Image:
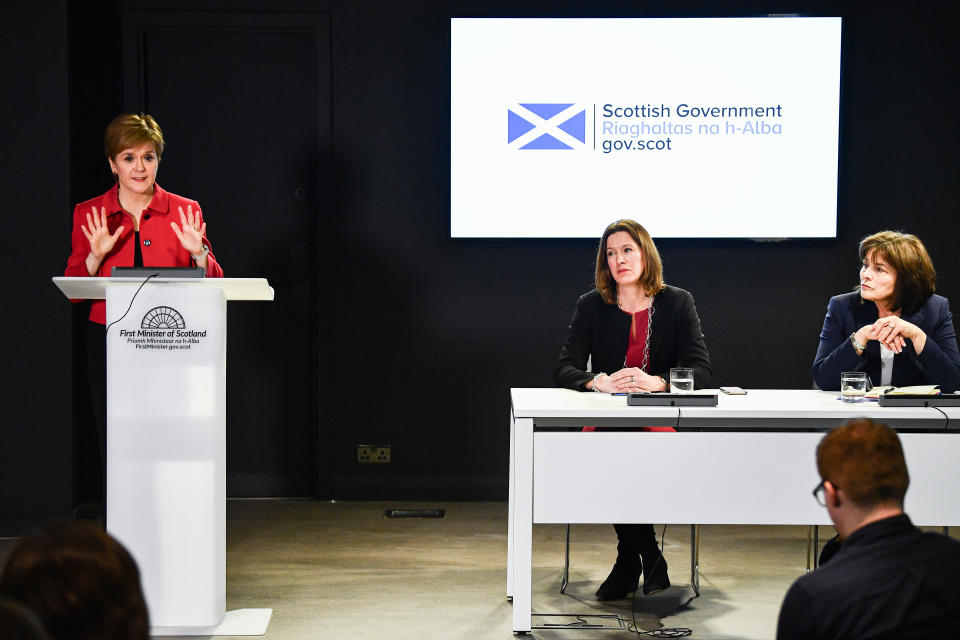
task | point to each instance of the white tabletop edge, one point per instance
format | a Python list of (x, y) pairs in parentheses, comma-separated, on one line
[(248, 289), (757, 404)]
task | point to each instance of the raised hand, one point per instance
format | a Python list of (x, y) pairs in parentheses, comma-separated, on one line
[(98, 234), (190, 233)]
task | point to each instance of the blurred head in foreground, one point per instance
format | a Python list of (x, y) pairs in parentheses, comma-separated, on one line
[(80, 582)]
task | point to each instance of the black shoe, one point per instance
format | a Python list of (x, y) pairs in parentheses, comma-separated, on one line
[(621, 582), (655, 579)]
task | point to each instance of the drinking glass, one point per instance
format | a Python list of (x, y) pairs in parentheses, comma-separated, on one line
[(853, 386), (681, 380)]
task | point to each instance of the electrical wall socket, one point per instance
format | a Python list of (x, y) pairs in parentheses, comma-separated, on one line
[(373, 453)]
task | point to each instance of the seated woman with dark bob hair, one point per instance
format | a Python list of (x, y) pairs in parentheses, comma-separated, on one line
[(892, 325)]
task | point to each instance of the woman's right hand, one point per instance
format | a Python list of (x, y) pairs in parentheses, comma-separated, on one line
[(101, 240), (881, 331)]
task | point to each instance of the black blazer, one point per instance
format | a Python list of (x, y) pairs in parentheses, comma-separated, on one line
[(938, 363), (601, 331)]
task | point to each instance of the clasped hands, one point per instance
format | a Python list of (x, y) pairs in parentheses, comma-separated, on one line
[(893, 331), (629, 380)]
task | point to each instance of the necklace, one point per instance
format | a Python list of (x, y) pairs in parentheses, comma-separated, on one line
[(646, 342)]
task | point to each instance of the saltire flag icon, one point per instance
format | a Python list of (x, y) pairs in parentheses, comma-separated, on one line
[(546, 125)]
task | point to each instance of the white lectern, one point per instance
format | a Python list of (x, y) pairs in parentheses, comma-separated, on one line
[(166, 442)]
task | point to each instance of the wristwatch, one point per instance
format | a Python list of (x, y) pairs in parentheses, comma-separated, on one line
[(204, 250), (856, 345)]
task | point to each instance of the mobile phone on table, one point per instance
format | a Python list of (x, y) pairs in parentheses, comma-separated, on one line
[(734, 391)]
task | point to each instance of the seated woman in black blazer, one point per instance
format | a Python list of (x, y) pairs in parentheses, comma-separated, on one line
[(633, 328), (892, 326)]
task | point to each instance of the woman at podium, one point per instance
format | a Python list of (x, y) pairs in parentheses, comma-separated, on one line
[(135, 223), (633, 328), (892, 325)]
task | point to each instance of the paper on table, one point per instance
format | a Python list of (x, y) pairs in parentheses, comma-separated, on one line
[(916, 390)]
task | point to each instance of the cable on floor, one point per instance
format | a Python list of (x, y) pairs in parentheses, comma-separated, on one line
[(667, 632), (624, 624)]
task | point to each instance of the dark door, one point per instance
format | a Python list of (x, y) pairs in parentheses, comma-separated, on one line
[(244, 102)]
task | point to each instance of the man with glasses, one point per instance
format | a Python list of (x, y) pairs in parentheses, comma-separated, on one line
[(888, 579)]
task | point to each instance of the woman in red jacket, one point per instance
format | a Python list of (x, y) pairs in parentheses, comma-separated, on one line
[(135, 223)]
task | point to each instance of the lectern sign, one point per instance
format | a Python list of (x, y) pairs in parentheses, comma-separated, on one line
[(166, 442), (166, 428), (163, 328)]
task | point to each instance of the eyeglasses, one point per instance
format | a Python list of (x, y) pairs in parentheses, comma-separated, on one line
[(818, 493)]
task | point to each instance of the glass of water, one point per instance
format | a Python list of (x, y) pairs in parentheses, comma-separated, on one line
[(681, 380), (853, 386)]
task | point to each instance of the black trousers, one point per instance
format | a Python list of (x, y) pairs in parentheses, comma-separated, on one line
[(637, 540)]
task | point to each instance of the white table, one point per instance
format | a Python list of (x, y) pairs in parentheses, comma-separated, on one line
[(749, 460)]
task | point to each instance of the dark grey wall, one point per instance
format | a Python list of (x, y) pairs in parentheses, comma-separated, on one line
[(35, 445), (428, 334), (451, 325)]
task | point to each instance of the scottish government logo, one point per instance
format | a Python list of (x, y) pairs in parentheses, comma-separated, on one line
[(539, 125), (163, 318)]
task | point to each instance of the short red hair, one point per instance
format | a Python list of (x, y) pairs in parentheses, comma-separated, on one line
[(130, 130), (865, 460)]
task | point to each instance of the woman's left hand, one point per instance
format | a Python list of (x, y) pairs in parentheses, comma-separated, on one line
[(634, 380), (894, 331), (191, 232)]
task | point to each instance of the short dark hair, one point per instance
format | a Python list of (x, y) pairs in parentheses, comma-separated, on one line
[(865, 460), (17, 622), (652, 277), (129, 130), (80, 582), (916, 278)]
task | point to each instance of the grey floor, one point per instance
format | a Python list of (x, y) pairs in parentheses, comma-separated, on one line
[(344, 571)]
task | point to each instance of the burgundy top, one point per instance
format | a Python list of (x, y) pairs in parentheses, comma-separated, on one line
[(638, 340), (636, 344)]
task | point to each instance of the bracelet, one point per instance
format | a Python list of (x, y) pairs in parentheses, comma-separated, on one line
[(204, 250), (856, 345), (595, 382)]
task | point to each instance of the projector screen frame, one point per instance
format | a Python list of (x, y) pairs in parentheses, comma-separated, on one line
[(842, 170)]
